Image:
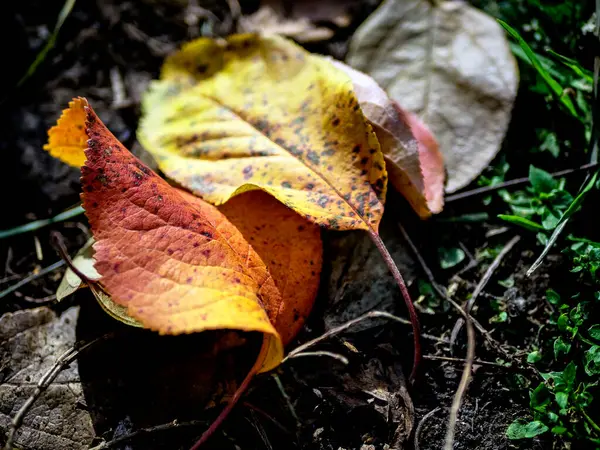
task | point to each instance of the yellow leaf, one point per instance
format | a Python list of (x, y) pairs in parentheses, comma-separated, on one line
[(258, 112), (67, 139)]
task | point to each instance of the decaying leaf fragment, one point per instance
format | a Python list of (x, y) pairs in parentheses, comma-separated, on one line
[(84, 261), (266, 20), (451, 65), (260, 112), (413, 160), (178, 267)]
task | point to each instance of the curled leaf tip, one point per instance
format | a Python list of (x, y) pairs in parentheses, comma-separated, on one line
[(67, 140)]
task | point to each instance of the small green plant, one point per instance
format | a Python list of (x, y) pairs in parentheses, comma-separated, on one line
[(540, 206), (562, 402)]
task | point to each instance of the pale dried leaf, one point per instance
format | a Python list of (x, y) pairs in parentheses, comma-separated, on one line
[(267, 21), (84, 261), (31, 342), (451, 65)]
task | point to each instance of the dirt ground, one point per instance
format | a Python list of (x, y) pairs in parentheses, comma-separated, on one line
[(129, 388)]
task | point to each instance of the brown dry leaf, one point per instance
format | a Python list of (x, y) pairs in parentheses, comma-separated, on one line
[(31, 342), (451, 65), (413, 160), (267, 21)]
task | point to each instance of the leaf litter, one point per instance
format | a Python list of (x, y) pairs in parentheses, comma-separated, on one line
[(242, 195)]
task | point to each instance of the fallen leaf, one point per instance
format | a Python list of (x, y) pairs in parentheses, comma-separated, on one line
[(431, 159), (291, 248), (451, 65), (413, 160), (31, 342), (333, 11), (178, 267), (267, 21), (258, 112), (84, 261)]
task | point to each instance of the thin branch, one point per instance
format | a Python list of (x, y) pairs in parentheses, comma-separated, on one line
[(420, 426), (436, 287), (414, 320), (335, 356), (441, 292), (483, 282), (61, 363), (162, 427), (30, 278), (516, 182), (462, 361), (343, 327), (288, 400), (462, 387)]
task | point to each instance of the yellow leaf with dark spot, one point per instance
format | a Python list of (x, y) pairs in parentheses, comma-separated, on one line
[(258, 112)]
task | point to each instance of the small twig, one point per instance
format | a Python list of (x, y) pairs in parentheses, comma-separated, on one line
[(8, 278), (462, 361), (149, 430), (436, 287), (267, 416), (343, 327), (482, 283), (260, 430), (420, 426), (288, 400), (515, 182), (120, 99), (61, 363), (38, 301), (462, 387), (336, 356), (32, 277)]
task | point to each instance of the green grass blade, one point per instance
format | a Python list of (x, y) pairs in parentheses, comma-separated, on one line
[(31, 277), (523, 222), (37, 224), (574, 66), (573, 207), (41, 56), (554, 86)]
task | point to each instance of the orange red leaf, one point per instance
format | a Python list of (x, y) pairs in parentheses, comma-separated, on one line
[(178, 266)]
